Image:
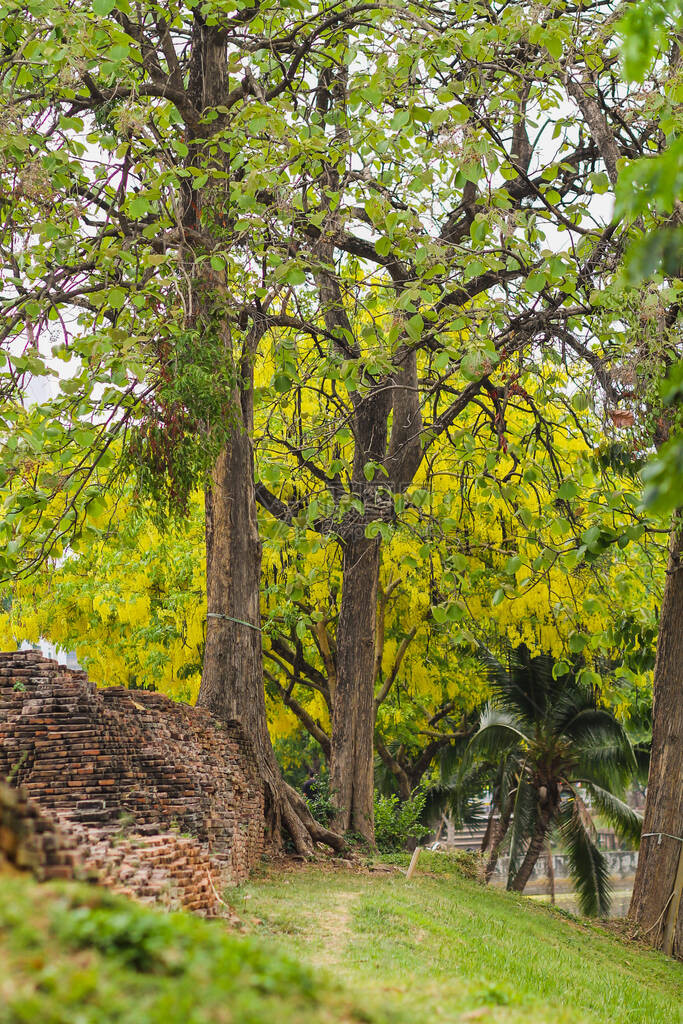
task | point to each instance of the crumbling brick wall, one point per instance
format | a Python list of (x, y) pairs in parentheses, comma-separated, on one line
[(32, 841), (113, 758), (164, 869)]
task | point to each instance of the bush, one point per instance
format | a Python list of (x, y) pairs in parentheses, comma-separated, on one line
[(319, 802), (397, 824)]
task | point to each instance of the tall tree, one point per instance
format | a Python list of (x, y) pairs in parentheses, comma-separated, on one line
[(429, 236), (652, 190), (654, 905), (127, 135), (376, 179)]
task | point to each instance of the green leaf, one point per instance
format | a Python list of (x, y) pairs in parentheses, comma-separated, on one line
[(472, 366), (600, 182), (553, 45), (513, 564), (138, 206), (383, 246), (103, 7), (459, 113), (96, 506), (498, 597), (535, 283), (415, 327), (568, 490), (560, 526)]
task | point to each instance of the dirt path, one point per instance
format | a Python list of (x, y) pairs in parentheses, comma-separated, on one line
[(334, 923)]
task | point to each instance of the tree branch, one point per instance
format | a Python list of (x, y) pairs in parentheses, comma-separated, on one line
[(308, 722)]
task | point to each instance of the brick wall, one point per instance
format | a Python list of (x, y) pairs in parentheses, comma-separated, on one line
[(32, 841), (105, 760)]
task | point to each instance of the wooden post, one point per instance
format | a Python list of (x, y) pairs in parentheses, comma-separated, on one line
[(674, 906), (413, 862)]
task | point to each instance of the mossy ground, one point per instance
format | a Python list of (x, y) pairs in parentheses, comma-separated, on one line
[(323, 944)]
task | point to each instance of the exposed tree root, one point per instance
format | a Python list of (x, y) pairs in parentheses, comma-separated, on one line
[(287, 811)]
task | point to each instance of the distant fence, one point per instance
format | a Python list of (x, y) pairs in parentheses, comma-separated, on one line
[(620, 863)]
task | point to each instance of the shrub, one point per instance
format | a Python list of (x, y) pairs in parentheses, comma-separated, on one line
[(396, 824), (319, 802)]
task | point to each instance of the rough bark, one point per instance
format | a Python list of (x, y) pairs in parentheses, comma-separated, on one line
[(232, 680), (354, 708), (353, 719), (659, 853), (534, 849)]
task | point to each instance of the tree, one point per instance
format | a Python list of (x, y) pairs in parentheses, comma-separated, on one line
[(287, 172), (654, 886), (651, 190), (405, 260), (126, 119), (561, 755), (525, 544)]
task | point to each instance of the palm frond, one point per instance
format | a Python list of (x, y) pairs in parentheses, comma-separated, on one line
[(626, 822), (641, 752), (505, 780), (450, 758), (524, 686), (593, 728), (461, 795), (495, 670), (609, 763), (529, 689), (498, 732), (570, 701), (587, 865)]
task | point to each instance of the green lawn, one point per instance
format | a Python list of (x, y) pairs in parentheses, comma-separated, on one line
[(74, 954), (322, 944), (443, 948)]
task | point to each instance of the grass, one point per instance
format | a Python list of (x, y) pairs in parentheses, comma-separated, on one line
[(74, 954), (441, 947), (325, 944)]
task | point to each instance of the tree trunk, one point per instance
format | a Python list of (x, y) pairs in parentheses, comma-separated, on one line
[(495, 834), (353, 718), (551, 873), (652, 901), (534, 850), (232, 678)]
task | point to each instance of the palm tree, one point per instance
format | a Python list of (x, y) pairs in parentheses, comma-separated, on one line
[(561, 756)]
